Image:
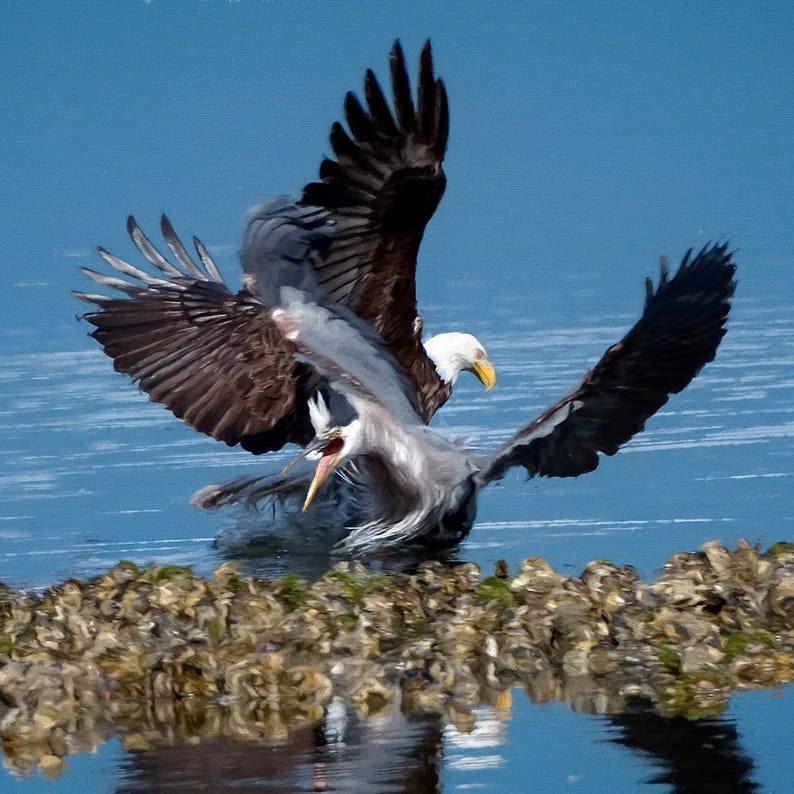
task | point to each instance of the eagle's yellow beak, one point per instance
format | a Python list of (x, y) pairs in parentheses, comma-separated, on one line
[(331, 455), (485, 373)]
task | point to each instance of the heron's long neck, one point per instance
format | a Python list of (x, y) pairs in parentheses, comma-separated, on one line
[(403, 453), (422, 465)]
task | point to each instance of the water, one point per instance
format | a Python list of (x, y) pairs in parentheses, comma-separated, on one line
[(584, 144), (549, 745), (94, 473)]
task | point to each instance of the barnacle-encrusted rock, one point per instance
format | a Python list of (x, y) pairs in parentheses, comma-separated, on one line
[(157, 654)]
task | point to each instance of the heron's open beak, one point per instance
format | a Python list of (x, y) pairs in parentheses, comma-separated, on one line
[(315, 445), (484, 371), (331, 455)]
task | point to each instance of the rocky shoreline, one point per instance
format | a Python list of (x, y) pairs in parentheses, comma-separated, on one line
[(159, 655)]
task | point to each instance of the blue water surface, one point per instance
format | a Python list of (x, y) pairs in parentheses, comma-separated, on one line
[(586, 141)]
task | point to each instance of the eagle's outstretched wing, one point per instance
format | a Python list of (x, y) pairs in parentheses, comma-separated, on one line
[(679, 331), (214, 358)]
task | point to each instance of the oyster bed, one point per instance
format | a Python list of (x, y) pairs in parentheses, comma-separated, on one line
[(158, 655)]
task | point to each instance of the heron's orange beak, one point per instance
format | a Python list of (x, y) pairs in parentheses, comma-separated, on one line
[(485, 373), (330, 457)]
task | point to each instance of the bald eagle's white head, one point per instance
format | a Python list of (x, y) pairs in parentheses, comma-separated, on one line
[(453, 353)]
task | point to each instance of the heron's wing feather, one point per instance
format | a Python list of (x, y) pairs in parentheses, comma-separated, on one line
[(282, 241), (252, 489), (349, 355), (679, 331), (215, 359), (379, 192)]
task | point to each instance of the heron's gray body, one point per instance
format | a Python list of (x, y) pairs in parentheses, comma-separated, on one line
[(420, 489), (410, 481), (425, 487)]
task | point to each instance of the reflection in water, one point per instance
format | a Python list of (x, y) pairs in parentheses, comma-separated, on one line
[(390, 754), (693, 757), (395, 754)]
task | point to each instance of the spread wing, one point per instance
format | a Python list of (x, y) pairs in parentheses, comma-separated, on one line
[(379, 191), (679, 331), (216, 359)]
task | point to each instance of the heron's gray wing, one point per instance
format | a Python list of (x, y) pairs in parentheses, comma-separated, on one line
[(216, 359), (379, 191), (281, 244), (282, 241), (349, 356), (679, 331)]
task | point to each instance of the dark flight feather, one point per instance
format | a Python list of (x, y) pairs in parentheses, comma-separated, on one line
[(379, 193), (214, 358), (681, 326)]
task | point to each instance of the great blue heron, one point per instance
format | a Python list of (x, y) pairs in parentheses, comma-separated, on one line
[(322, 345)]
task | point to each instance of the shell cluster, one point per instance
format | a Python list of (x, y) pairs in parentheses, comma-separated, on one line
[(159, 655)]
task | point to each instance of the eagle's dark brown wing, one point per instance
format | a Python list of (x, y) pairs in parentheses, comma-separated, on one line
[(379, 192), (679, 331), (216, 359)]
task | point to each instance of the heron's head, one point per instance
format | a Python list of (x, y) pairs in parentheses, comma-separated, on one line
[(331, 444), (453, 353), (331, 447)]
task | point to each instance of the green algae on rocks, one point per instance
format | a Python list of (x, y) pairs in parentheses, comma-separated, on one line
[(159, 654)]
